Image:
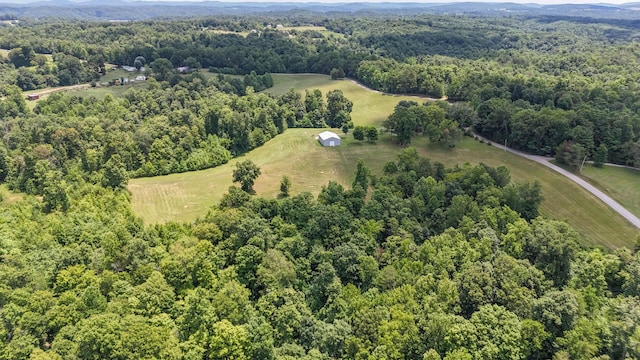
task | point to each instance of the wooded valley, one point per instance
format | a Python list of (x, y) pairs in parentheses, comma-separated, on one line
[(419, 260)]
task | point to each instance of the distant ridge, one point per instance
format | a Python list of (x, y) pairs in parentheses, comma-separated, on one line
[(102, 10)]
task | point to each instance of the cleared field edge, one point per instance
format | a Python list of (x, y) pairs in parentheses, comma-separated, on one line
[(621, 184), (202, 189), (310, 166)]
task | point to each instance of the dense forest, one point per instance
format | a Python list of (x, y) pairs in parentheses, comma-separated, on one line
[(435, 264), (417, 262)]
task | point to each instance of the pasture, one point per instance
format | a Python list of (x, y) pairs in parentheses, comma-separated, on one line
[(296, 153), (219, 31), (622, 184), (304, 28), (369, 107), (119, 73), (102, 91)]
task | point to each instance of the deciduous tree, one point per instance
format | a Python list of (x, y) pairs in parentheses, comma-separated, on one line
[(246, 173)]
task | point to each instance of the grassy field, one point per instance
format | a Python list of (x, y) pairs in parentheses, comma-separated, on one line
[(296, 153), (369, 108), (5, 53), (304, 28), (208, 75), (240, 33), (100, 92), (622, 184), (119, 73)]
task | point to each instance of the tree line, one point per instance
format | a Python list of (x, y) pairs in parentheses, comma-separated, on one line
[(158, 129)]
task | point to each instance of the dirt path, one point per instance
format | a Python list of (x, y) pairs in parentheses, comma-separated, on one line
[(61, 88)]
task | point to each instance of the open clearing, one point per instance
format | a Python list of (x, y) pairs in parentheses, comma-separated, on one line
[(369, 108), (119, 73), (101, 92), (9, 197), (296, 153), (304, 28), (219, 31), (622, 184)]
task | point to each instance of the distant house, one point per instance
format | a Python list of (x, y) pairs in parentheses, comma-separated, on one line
[(183, 69), (129, 68), (280, 27), (328, 138), (141, 78), (32, 97)]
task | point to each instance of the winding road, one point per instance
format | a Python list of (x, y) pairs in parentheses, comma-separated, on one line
[(546, 162), (590, 188)]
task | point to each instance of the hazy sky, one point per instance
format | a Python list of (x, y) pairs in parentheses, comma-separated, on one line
[(435, 1), (414, 1), (394, 1)]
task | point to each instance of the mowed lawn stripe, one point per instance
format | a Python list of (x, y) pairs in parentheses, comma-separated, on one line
[(622, 184)]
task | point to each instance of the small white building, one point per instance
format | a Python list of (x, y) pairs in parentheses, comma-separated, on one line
[(328, 138), (141, 78)]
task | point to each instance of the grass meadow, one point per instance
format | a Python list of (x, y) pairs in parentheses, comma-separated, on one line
[(622, 184), (296, 153)]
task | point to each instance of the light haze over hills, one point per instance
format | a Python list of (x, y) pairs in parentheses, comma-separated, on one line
[(146, 9)]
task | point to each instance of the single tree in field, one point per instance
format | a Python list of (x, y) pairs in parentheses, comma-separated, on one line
[(285, 186), (362, 175), (402, 123), (246, 173), (338, 109), (359, 133), (372, 133)]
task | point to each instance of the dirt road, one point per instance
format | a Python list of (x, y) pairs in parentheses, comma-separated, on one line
[(48, 91)]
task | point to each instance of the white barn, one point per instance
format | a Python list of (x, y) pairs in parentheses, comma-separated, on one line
[(328, 138)]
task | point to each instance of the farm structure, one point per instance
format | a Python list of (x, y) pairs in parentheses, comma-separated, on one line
[(328, 138)]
